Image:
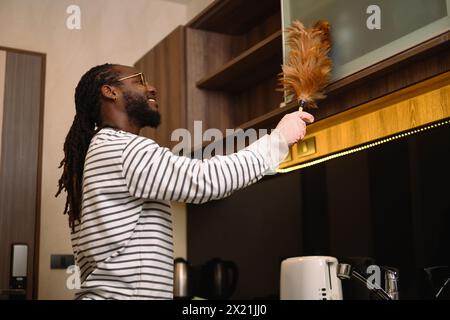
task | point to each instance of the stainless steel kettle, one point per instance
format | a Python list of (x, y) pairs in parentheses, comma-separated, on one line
[(182, 282)]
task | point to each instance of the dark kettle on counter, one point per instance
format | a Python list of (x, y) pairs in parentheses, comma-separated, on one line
[(219, 279)]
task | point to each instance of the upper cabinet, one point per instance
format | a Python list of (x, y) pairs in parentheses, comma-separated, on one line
[(234, 17), (378, 47), (384, 54), (223, 67), (366, 32), (234, 57)]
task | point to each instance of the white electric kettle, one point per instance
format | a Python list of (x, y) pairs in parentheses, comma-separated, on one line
[(310, 278)]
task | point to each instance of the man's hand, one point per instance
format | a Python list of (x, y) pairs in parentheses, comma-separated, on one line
[(293, 126)]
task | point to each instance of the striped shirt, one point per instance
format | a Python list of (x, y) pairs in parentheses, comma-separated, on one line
[(123, 243)]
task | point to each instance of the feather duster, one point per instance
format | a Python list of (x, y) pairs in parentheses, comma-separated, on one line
[(308, 68)]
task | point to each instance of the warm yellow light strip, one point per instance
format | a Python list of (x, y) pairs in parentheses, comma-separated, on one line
[(364, 147), (418, 106)]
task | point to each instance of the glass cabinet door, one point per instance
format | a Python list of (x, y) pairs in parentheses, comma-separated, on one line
[(365, 32)]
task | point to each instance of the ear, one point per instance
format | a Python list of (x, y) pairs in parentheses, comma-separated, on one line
[(109, 92)]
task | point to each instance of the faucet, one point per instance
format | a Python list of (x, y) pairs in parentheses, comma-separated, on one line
[(439, 281), (391, 282), (390, 292)]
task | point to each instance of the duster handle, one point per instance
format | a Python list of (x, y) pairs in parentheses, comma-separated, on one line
[(301, 104)]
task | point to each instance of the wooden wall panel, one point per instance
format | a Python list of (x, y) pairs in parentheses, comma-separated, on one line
[(234, 17), (19, 166), (257, 34), (206, 52), (227, 109), (258, 100), (2, 91)]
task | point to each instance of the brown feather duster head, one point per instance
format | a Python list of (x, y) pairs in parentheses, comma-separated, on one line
[(308, 68)]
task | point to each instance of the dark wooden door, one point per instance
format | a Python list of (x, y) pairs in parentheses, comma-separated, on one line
[(21, 134)]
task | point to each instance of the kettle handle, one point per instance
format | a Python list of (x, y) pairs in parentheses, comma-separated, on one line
[(334, 280), (233, 276)]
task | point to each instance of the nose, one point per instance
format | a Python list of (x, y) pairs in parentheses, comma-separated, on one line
[(152, 90)]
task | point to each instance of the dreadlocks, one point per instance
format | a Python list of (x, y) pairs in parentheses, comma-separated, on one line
[(87, 120)]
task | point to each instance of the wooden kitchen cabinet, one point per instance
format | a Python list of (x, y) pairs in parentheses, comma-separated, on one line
[(221, 68), (234, 54)]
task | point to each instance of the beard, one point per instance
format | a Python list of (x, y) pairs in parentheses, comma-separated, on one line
[(139, 111)]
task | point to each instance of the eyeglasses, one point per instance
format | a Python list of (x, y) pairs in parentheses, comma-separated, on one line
[(140, 74)]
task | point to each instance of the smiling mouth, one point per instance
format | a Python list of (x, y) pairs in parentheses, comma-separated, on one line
[(153, 103)]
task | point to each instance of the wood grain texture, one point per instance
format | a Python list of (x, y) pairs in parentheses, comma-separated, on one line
[(207, 51), (233, 16), (252, 66), (2, 91), (410, 108), (261, 31), (165, 68), (255, 56), (410, 67), (258, 100), (258, 53), (432, 59), (224, 109), (37, 246), (19, 176)]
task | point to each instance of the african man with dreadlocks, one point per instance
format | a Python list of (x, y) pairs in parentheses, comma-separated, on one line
[(119, 185)]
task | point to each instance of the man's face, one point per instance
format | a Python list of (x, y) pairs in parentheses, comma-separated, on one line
[(140, 99)]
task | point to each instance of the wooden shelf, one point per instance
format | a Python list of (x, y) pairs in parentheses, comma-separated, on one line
[(234, 17), (402, 60), (405, 60), (255, 64)]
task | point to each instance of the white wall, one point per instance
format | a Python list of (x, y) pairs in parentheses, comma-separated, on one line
[(193, 6), (115, 31), (196, 6)]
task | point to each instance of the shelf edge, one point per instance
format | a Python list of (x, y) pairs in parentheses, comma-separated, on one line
[(203, 83)]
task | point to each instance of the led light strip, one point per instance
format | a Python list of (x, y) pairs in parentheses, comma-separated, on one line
[(364, 147)]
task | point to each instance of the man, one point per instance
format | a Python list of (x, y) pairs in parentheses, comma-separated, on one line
[(119, 185)]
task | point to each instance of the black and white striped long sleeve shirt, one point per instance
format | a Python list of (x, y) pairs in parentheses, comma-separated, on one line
[(123, 243)]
